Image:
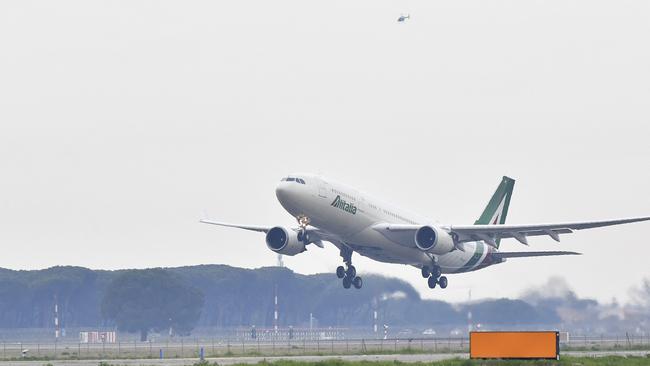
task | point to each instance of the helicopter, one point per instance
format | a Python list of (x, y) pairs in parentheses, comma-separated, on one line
[(402, 18)]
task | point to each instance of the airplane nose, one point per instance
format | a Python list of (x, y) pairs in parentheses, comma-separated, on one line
[(282, 192), (292, 194)]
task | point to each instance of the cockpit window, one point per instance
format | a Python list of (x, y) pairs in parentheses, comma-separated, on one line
[(291, 179)]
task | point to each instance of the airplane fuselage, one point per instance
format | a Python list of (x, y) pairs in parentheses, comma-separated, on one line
[(350, 214)]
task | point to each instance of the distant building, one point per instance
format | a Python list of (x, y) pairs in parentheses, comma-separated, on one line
[(97, 337)]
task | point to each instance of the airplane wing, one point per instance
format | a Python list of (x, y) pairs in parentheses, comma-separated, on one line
[(316, 234), (504, 255), (490, 233), (403, 233), (263, 229)]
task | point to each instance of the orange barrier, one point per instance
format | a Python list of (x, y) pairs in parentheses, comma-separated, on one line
[(539, 345)]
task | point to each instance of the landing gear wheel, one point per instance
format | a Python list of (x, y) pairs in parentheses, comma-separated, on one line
[(426, 272), (340, 272), (351, 272), (442, 281), (357, 282), (432, 282), (435, 272)]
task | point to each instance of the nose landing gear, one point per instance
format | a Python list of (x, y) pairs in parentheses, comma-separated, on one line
[(433, 275), (349, 273), (303, 222)]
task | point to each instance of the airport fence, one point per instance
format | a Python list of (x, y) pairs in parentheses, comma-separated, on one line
[(194, 348), (223, 348)]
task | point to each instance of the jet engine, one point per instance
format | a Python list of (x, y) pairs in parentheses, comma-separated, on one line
[(433, 240), (284, 241)]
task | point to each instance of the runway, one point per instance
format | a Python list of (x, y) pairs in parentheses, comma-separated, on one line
[(407, 358)]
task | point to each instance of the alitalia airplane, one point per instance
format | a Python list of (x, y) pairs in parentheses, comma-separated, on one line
[(354, 221)]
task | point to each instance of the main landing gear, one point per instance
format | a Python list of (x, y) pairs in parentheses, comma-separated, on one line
[(349, 273), (433, 274)]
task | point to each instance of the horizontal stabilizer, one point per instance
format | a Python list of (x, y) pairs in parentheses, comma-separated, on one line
[(531, 254)]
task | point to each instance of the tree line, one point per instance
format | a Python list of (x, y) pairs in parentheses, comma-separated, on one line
[(224, 296)]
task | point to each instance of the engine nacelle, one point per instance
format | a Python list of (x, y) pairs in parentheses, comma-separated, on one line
[(284, 241), (433, 240)]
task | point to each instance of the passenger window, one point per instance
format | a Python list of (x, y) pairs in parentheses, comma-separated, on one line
[(290, 179)]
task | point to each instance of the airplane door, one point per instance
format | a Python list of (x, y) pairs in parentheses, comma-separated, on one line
[(322, 191)]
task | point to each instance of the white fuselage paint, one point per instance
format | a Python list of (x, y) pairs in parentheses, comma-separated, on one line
[(315, 199)]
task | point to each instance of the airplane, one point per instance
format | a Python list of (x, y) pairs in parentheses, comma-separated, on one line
[(402, 18), (354, 221)]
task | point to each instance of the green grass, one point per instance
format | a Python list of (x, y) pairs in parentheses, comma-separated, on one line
[(633, 347), (565, 361)]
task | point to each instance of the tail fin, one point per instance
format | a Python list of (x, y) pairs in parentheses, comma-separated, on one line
[(497, 209)]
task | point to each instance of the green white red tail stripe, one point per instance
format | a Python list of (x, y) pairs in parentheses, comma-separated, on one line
[(497, 209)]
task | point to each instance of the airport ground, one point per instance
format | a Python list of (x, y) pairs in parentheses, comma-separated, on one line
[(360, 352), (581, 358), (220, 348)]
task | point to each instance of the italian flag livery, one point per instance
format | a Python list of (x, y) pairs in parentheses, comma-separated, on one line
[(494, 214), (497, 209)]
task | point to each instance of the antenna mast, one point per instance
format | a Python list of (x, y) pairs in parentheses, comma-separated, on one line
[(280, 262)]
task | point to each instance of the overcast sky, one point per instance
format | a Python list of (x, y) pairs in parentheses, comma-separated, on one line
[(121, 122)]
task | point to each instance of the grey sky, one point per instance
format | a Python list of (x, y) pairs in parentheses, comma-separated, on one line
[(121, 122)]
